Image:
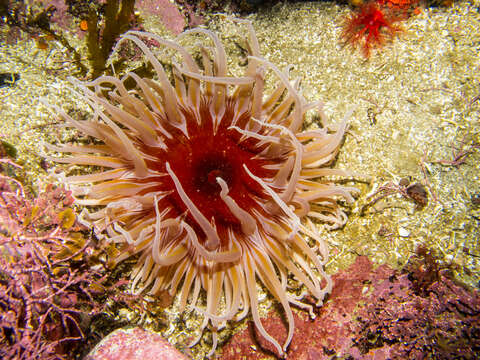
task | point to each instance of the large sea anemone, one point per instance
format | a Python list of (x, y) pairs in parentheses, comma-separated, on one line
[(208, 181)]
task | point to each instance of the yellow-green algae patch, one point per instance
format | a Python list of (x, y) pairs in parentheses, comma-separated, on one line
[(415, 104)]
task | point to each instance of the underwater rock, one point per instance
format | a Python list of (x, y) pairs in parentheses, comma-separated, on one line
[(378, 314), (166, 11), (134, 344), (330, 333)]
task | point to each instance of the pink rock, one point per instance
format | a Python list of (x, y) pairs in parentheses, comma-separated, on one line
[(134, 344), (330, 333), (171, 17)]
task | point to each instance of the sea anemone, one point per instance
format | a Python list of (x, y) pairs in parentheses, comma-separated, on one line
[(369, 27), (211, 183)]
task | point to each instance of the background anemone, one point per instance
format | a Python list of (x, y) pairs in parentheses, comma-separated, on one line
[(209, 180), (370, 27)]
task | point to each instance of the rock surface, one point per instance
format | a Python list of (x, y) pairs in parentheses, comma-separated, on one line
[(134, 344), (168, 12), (373, 313)]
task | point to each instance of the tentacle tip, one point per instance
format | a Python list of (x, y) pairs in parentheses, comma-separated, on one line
[(211, 244)]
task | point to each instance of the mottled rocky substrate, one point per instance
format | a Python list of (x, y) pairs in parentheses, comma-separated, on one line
[(379, 313)]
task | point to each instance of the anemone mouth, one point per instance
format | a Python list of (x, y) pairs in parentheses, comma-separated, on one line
[(210, 181), (211, 166)]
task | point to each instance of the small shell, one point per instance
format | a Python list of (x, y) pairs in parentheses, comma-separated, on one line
[(403, 232)]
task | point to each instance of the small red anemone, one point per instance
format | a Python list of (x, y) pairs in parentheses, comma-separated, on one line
[(369, 27)]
